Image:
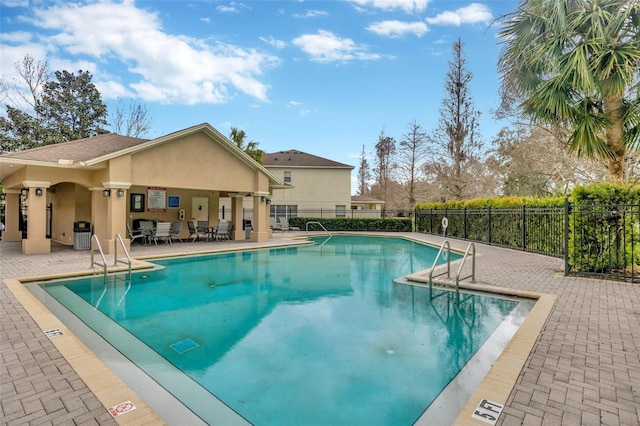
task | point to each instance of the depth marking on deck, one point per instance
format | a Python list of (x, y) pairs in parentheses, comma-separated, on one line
[(53, 333), (488, 411)]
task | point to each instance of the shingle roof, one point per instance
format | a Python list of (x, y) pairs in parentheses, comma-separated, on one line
[(78, 150), (295, 158)]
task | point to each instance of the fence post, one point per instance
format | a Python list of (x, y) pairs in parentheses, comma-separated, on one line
[(488, 224), (431, 220), (566, 236), (464, 223), (524, 227)]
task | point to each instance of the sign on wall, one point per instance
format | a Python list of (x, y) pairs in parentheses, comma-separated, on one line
[(156, 199)]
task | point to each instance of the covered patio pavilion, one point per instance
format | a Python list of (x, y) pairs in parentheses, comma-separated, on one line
[(112, 180)]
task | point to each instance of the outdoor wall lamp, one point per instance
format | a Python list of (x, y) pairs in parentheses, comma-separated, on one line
[(120, 193), (106, 193), (38, 192), (24, 192), (3, 196)]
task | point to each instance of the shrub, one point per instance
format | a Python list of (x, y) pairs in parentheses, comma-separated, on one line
[(401, 224)]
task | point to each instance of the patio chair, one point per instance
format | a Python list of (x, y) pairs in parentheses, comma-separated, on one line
[(223, 230), (195, 233), (162, 232), (147, 228), (176, 227), (274, 225), (136, 235), (204, 229), (284, 225)]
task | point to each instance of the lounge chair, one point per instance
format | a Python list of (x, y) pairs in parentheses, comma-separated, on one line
[(136, 235), (275, 226), (223, 230), (162, 232), (195, 233), (284, 225), (176, 227)]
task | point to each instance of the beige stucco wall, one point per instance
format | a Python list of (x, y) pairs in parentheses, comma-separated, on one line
[(314, 188), (193, 162)]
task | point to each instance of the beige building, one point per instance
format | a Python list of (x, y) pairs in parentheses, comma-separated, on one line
[(111, 180), (316, 185), (366, 206)]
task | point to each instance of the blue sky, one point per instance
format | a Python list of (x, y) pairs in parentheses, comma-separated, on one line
[(325, 77)]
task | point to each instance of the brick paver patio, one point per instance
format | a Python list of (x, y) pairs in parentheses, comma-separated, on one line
[(583, 370)]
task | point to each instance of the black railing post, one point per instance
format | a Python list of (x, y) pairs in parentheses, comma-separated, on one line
[(431, 221), (464, 223), (488, 224), (524, 227), (566, 236)]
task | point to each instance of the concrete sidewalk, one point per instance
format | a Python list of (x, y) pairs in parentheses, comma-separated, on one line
[(584, 368)]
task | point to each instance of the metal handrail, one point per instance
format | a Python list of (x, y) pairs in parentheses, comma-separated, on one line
[(316, 223), (116, 240), (104, 260), (471, 247), (444, 244)]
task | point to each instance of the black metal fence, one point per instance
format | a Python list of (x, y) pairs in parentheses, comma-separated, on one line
[(595, 240)]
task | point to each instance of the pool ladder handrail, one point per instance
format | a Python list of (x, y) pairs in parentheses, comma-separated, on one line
[(445, 244), (316, 223), (117, 239), (94, 238)]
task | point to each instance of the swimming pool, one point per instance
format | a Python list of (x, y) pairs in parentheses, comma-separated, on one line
[(299, 335)]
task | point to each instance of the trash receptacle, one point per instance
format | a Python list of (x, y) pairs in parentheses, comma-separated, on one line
[(81, 235), (247, 229)]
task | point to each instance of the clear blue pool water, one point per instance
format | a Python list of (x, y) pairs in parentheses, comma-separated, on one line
[(305, 335)]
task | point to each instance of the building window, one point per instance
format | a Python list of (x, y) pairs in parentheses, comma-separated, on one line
[(341, 211), (287, 177), (283, 211)]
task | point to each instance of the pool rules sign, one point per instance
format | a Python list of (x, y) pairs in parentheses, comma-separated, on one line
[(488, 411)]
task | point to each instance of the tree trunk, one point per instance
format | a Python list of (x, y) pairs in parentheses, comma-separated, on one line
[(614, 132)]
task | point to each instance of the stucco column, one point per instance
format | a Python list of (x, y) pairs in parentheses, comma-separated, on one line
[(99, 216), (260, 222), (37, 241), (116, 217), (12, 216), (236, 216)]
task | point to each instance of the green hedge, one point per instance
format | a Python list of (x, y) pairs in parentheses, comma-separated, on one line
[(401, 224), (605, 232)]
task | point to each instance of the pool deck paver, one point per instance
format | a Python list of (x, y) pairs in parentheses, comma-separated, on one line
[(584, 368)]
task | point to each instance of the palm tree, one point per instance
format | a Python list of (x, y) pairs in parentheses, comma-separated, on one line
[(576, 63), (238, 137)]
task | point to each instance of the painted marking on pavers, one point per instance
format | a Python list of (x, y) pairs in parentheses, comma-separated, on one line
[(53, 333), (488, 411), (122, 408)]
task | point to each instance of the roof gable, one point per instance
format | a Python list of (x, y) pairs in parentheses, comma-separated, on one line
[(295, 158), (80, 150)]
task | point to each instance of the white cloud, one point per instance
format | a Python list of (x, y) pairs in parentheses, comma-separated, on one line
[(408, 6), (398, 28), (327, 47), (170, 68), (310, 14), (278, 44), (472, 14)]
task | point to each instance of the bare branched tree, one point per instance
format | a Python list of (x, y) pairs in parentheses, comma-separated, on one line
[(131, 120), (456, 146), (411, 155)]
